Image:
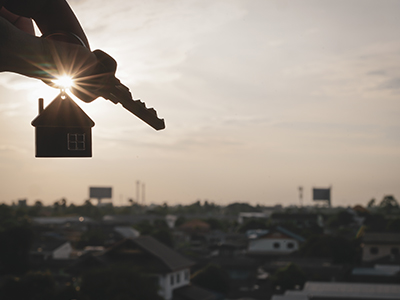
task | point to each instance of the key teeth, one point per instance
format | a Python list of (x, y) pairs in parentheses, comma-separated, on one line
[(150, 110), (153, 111), (140, 102)]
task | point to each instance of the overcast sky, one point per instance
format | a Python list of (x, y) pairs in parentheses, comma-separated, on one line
[(259, 98)]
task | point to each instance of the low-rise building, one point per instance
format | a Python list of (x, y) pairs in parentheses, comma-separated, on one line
[(379, 245), (276, 241), (171, 269)]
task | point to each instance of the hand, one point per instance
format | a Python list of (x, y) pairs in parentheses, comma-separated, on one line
[(92, 72)]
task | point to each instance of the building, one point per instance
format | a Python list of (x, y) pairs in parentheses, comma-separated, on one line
[(276, 241), (63, 129), (50, 250), (171, 269), (380, 245)]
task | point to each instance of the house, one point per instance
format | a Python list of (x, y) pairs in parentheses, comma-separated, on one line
[(171, 269), (341, 290), (376, 246), (126, 232), (51, 250), (62, 129), (275, 241), (195, 227)]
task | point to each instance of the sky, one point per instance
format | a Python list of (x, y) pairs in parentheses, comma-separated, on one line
[(259, 97)]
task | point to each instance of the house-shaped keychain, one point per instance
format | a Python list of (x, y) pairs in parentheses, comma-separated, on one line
[(63, 129)]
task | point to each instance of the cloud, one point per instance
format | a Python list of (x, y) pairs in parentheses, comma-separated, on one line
[(391, 84), (12, 149), (17, 82), (148, 38)]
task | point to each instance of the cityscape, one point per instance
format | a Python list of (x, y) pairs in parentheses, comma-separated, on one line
[(199, 251), (229, 150)]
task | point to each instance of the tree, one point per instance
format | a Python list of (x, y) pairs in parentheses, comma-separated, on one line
[(340, 219), (337, 248), (215, 223), (56, 207), (39, 203), (375, 222), (288, 277), (212, 277), (15, 243), (164, 236), (63, 203), (254, 223), (371, 203), (92, 237), (160, 231), (236, 208), (393, 226), (389, 203), (118, 282), (179, 221)]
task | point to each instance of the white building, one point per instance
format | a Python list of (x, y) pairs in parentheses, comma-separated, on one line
[(379, 245), (275, 242), (57, 249)]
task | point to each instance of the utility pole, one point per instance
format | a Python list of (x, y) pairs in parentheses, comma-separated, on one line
[(143, 193), (137, 191)]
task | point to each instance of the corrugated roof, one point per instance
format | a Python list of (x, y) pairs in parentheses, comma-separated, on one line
[(166, 258), (61, 220), (62, 113), (127, 232), (291, 234), (172, 259), (282, 231), (377, 270)]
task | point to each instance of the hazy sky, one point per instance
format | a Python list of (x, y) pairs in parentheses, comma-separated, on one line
[(259, 98)]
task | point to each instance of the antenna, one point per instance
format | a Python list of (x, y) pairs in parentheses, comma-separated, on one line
[(301, 196)]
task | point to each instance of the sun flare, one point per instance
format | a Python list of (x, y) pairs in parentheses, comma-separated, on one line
[(64, 82)]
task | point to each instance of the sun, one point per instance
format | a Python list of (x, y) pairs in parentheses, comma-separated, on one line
[(63, 82)]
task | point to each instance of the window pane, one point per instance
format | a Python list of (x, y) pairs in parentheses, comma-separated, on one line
[(76, 141)]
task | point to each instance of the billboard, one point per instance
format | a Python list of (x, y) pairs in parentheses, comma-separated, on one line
[(322, 194), (100, 192)]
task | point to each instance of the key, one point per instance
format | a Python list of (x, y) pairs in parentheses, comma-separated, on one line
[(121, 94), (112, 89), (116, 92)]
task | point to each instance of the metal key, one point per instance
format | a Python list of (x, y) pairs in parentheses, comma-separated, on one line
[(116, 92)]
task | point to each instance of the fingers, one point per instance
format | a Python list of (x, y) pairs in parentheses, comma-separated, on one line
[(22, 23)]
